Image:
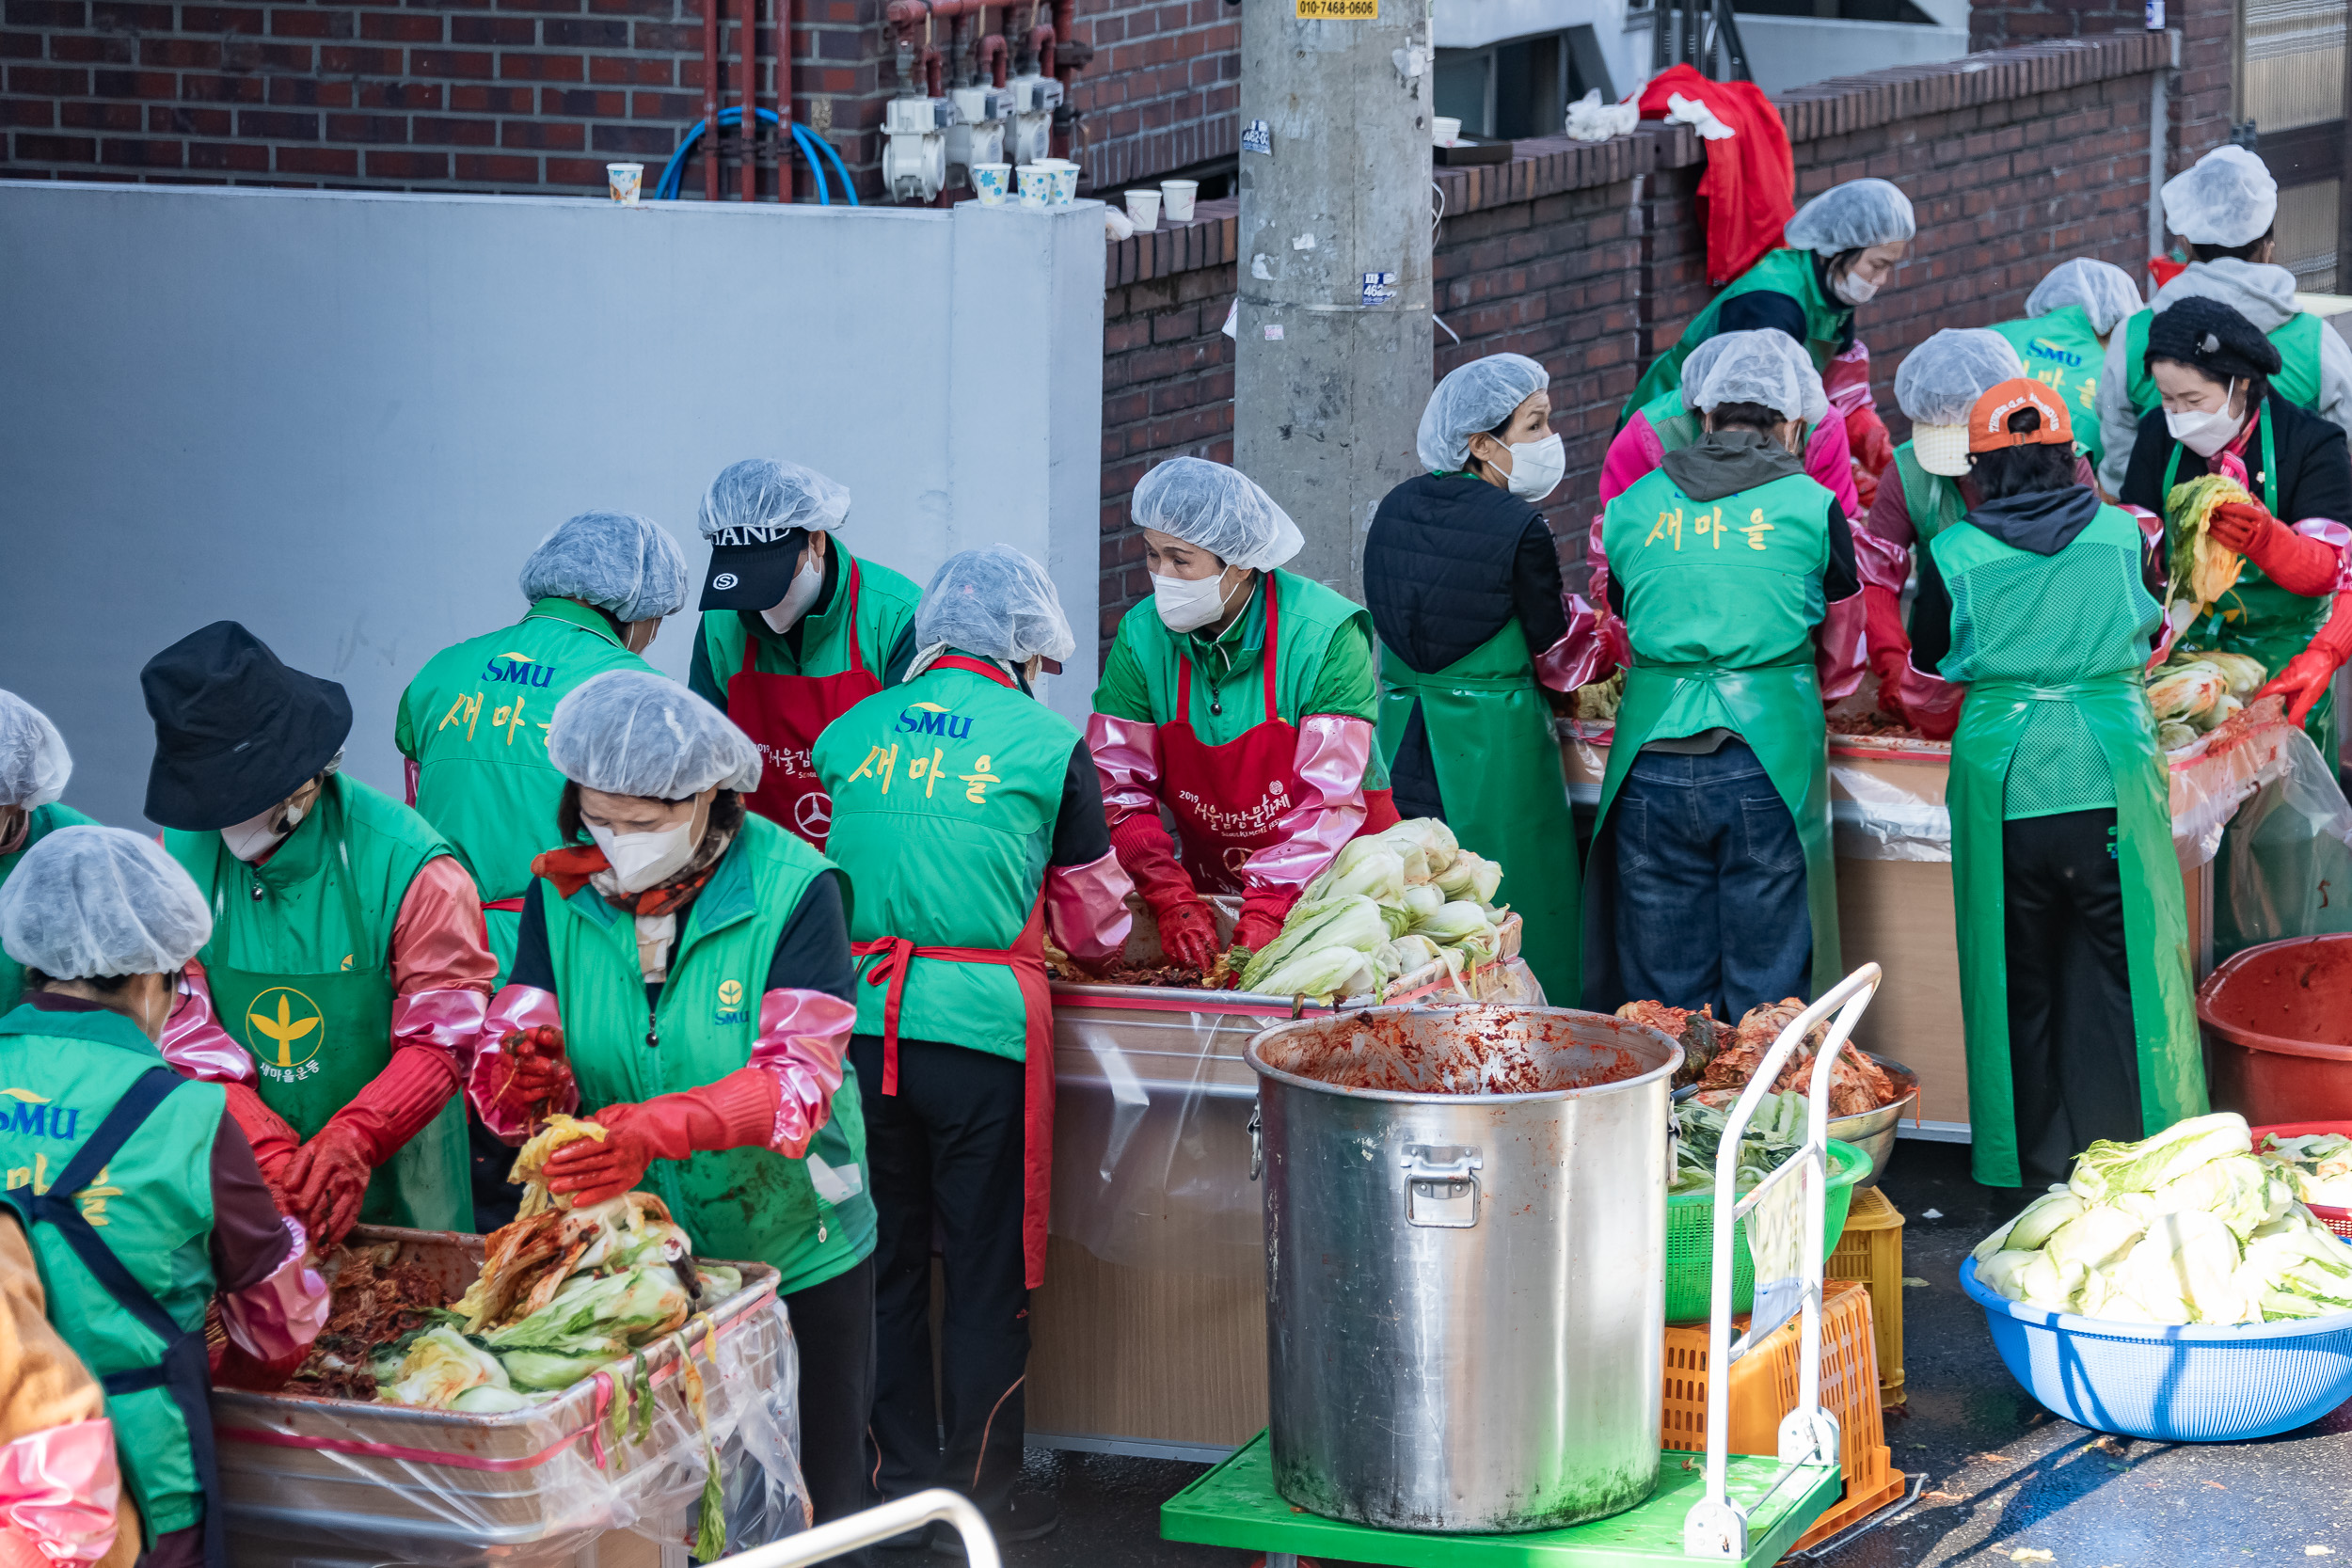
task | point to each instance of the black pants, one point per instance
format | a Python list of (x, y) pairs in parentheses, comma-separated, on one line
[(2073, 1062), (832, 1326), (943, 1154)]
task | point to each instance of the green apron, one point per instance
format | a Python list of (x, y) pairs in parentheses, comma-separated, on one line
[(2296, 340), (318, 1039), (1498, 771), (1827, 322)]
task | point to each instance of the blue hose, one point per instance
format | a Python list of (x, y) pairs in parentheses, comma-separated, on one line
[(672, 173)]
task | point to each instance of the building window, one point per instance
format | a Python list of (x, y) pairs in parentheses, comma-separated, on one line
[(1517, 88)]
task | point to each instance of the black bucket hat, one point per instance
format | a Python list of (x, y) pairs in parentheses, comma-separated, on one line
[(236, 731)]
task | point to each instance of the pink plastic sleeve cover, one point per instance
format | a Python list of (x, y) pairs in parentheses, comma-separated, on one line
[(438, 942), (59, 1487), (1846, 378), (514, 1009), (1585, 653), (1333, 751), (194, 1042), (1881, 562), (1086, 909), (1932, 701), (2329, 532), (803, 1037), (277, 1315), (1126, 756), (1829, 458), (449, 1022), (1596, 566), (1634, 452), (1841, 649)]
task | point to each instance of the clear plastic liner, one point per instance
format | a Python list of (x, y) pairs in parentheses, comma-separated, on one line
[(2284, 868)]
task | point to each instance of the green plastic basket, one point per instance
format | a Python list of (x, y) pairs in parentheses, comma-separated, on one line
[(1691, 1239)]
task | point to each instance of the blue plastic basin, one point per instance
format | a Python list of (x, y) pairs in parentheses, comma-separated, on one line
[(2195, 1384)]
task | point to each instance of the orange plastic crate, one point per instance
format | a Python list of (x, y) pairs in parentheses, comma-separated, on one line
[(1871, 1251), (1764, 1389)]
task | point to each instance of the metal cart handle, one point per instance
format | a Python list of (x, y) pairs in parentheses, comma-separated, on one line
[(876, 1525)]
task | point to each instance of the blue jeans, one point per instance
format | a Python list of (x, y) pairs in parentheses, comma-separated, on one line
[(1710, 885)]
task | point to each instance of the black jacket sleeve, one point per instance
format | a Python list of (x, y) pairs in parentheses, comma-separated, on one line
[(1082, 833), (1761, 309), (2322, 484), (813, 952), (1931, 619), (699, 679), (1535, 587), (901, 655), (1840, 578), (532, 966)]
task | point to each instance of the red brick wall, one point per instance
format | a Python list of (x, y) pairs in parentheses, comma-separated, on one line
[(1163, 87)]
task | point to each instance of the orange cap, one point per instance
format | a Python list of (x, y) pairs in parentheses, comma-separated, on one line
[(1988, 421)]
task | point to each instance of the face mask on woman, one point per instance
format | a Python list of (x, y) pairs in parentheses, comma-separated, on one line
[(1186, 604), (639, 861), (806, 585), (1853, 290), (2205, 431), (256, 836), (1536, 467)]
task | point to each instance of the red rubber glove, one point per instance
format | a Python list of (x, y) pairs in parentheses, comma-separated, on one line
[(1873, 447), (327, 1179), (1187, 929), (2295, 561), (1187, 932), (531, 1073), (1890, 646), (2305, 679), (1262, 916), (274, 1142), (2235, 524), (738, 1110)]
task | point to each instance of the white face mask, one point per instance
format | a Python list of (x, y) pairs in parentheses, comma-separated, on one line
[(639, 861), (256, 836), (1853, 290), (2205, 432), (1536, 467), (808, 583), (1186, 604)]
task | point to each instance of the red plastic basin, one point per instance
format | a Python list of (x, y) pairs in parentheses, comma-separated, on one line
[(2279, 1018)]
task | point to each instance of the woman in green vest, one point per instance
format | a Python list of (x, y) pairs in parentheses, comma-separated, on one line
[(2063, 338), (683, 971), (2291, 607), (1843, 246), (2043, 602), (795, 629), (1241, 698), (34, 768), (346, 967), (1476, 633), (1711, 881), (136, 1192), (967, 815)]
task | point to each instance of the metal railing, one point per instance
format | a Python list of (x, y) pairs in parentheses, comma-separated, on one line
[(876, 1525)]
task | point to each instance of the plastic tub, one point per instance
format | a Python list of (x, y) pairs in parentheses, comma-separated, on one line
[(2191, 1383), (2279, 1021), (2337, 1220), (1691, 1239)]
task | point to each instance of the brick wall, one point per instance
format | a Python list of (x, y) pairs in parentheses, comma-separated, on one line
[(2200, 94), (1164, 87)]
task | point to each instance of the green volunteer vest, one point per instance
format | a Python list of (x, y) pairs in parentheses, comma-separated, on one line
[(2295, 338), (886, 602), (45, 821), (1932, 499), (1309, 616), (1787, 272), (2030, 634), (300, 967), (2062, 351), (1720, 602), (810, 1219), (475, 723), (1677, 426), (62, 1072), (945, 794)]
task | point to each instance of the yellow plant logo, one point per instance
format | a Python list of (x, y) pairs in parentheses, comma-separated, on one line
[(287, 1020), (27, 1096), (730, 994)]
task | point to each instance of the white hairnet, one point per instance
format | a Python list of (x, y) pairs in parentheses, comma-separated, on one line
[(1220, 509), (615, 560), (1764, 366), (2104, 290), (1941, 380), (751, 501), (1849, 216), (1473, 400), (631, 732), (87, 902), (999, 604), (34, 765), (2226, 197)]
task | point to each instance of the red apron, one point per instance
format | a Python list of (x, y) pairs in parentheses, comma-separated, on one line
[(1026, 958), (784, 715)]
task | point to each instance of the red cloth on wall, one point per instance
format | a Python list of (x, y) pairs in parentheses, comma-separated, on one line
[(1748, 194)]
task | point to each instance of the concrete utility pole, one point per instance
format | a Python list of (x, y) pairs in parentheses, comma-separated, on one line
[(1333, 368)]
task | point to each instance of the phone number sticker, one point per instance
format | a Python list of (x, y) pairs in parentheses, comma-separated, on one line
[(1338, 10)]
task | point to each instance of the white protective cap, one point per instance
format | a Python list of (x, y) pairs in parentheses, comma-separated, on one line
[(1764, 366), (2104, 290), (754, 501), (631, 732), (34, 765), (1474, 399), (1940, 381), (89, 902), (1220, 509), (999, 604), (2226, 197), (1849, 217), (615, 560)]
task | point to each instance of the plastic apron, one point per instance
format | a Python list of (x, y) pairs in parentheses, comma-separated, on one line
[(1498, 768), (2155, 915), (1026, 958), (1776, 710), (183, 1370), (338, 1026), (2260, 619), (1228, 800), (784, 715)]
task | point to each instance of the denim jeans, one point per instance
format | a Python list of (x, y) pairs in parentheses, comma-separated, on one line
[(1710, 885)]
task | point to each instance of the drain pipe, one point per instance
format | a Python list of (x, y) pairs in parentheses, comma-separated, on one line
[(2159, 131)]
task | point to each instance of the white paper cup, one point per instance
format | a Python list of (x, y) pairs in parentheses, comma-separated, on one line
[(1032, 179), (1061, 180), (625, 181), (991, 183), (1176, 196), (1444, 130), (1143, 209)]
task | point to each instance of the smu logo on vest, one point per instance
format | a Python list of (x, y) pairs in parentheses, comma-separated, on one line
[(730, 1009), (283, 1030), (931, 719), (2042, 348), (518, 670), (35, 1116)]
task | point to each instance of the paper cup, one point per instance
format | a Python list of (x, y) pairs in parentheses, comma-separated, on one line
[(1143, 209), (1176, 196), (625, 181), (1032, 179), (991, 183), (1061, 180), (1444, 130)]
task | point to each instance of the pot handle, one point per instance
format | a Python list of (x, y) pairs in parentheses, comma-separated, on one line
[(1441, 1186), (1257, 1141)]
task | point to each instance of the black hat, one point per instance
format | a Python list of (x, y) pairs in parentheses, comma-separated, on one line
[(752, 575), (2217, 339), (236, 731)]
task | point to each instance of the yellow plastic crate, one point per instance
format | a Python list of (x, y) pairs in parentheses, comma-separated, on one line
[(1871, 1251)]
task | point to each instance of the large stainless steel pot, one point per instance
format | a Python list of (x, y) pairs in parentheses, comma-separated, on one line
[(1466, 1290)]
